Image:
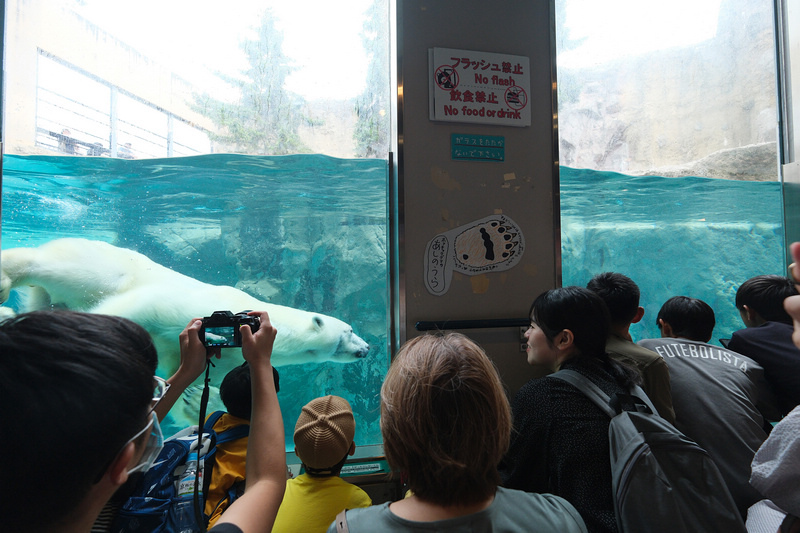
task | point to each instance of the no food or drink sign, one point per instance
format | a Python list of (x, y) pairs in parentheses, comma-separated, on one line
[(479, 87)]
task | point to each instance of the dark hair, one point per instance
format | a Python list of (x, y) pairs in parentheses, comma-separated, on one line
[(74, 388), (577, 309), (689, 318), (585, 314), (765, 295), (235, 391), (620, 294), (445, 419)]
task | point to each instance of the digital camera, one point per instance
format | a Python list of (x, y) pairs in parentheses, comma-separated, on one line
[(221, 329)]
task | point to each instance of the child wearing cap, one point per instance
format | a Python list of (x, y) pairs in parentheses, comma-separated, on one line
[(323, 438)]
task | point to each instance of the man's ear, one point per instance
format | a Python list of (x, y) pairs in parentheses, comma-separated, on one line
[(352, 449), (638, 316), (118, 470), (750, 316), (666, 329)]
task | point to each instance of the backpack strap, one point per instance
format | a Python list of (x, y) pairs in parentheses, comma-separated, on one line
[(341, 522), (230, 434), (588, 388), (233, 433), (609, 406), (212, 419)]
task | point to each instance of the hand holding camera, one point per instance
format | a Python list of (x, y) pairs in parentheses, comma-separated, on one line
[(221, 329)]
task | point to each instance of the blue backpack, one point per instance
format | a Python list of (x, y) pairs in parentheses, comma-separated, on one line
[(148, 509)]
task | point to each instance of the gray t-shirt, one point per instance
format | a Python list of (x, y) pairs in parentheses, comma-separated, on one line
[(721, 399), (512, 511)]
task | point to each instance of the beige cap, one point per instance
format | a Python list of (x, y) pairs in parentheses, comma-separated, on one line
[(324, 432)]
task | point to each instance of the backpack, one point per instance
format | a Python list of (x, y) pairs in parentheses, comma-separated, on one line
[(148, 508), (231, 493), (661, 479)]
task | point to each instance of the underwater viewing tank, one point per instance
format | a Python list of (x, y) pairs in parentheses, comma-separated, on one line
[(286, 230)]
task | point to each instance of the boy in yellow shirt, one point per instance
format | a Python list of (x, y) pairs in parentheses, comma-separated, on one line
[(323, 438)]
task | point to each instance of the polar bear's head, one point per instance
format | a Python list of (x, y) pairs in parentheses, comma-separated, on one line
[(318, 339)]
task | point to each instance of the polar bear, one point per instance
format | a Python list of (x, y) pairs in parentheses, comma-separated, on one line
[(97, 277)]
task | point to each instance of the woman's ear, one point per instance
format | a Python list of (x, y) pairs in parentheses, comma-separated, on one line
[(565, 339), (565, 344)]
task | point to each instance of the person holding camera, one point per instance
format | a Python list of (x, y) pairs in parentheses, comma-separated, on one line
[(80, 400)]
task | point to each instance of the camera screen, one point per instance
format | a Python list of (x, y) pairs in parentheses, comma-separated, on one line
[(220, 336)]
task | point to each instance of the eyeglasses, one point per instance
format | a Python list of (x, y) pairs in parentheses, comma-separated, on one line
[(155, 442), (161, 388)]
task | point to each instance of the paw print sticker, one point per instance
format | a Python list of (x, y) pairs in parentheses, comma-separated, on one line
[(492, 244)]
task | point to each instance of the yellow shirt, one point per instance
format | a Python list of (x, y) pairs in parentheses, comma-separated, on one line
[(310, 504)]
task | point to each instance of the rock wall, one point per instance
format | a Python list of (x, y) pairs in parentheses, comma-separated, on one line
[(706, 110)]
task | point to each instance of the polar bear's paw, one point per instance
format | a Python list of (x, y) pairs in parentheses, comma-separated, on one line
[(6, 313)]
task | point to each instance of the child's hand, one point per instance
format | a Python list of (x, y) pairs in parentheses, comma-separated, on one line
[(258, 346)]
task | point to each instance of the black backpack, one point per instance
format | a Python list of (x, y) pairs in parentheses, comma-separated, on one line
[(662, 481)]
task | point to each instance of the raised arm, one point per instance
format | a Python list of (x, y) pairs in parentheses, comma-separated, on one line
[(194, 355), (265, 474)]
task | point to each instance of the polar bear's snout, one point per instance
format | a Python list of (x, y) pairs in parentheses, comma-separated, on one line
[(360, 354)]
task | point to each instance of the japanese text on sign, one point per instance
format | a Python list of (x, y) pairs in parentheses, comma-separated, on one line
[(479, 87), (477, 147)]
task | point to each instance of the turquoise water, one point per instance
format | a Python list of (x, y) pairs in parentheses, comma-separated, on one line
[(303, 231), (696, 237), (310, 232)]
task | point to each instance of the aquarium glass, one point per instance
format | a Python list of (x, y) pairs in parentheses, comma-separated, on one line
[(244, 148), (690, 236), (307, 232), (668, 151)]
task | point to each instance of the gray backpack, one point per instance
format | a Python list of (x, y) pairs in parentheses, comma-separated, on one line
[(661, 479)]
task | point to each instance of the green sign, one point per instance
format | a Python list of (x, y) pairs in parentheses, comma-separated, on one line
[(477, 147)]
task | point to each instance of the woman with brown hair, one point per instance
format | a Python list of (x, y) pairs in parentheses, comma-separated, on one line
[(446, 424)]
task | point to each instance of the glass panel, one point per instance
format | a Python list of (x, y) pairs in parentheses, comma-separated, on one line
[(165, 137), (789, 58), (667, 123)]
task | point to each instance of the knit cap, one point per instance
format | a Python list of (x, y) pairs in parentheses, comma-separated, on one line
[(324, 432)]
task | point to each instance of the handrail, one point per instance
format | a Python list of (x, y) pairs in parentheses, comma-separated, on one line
[(437, 325)]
